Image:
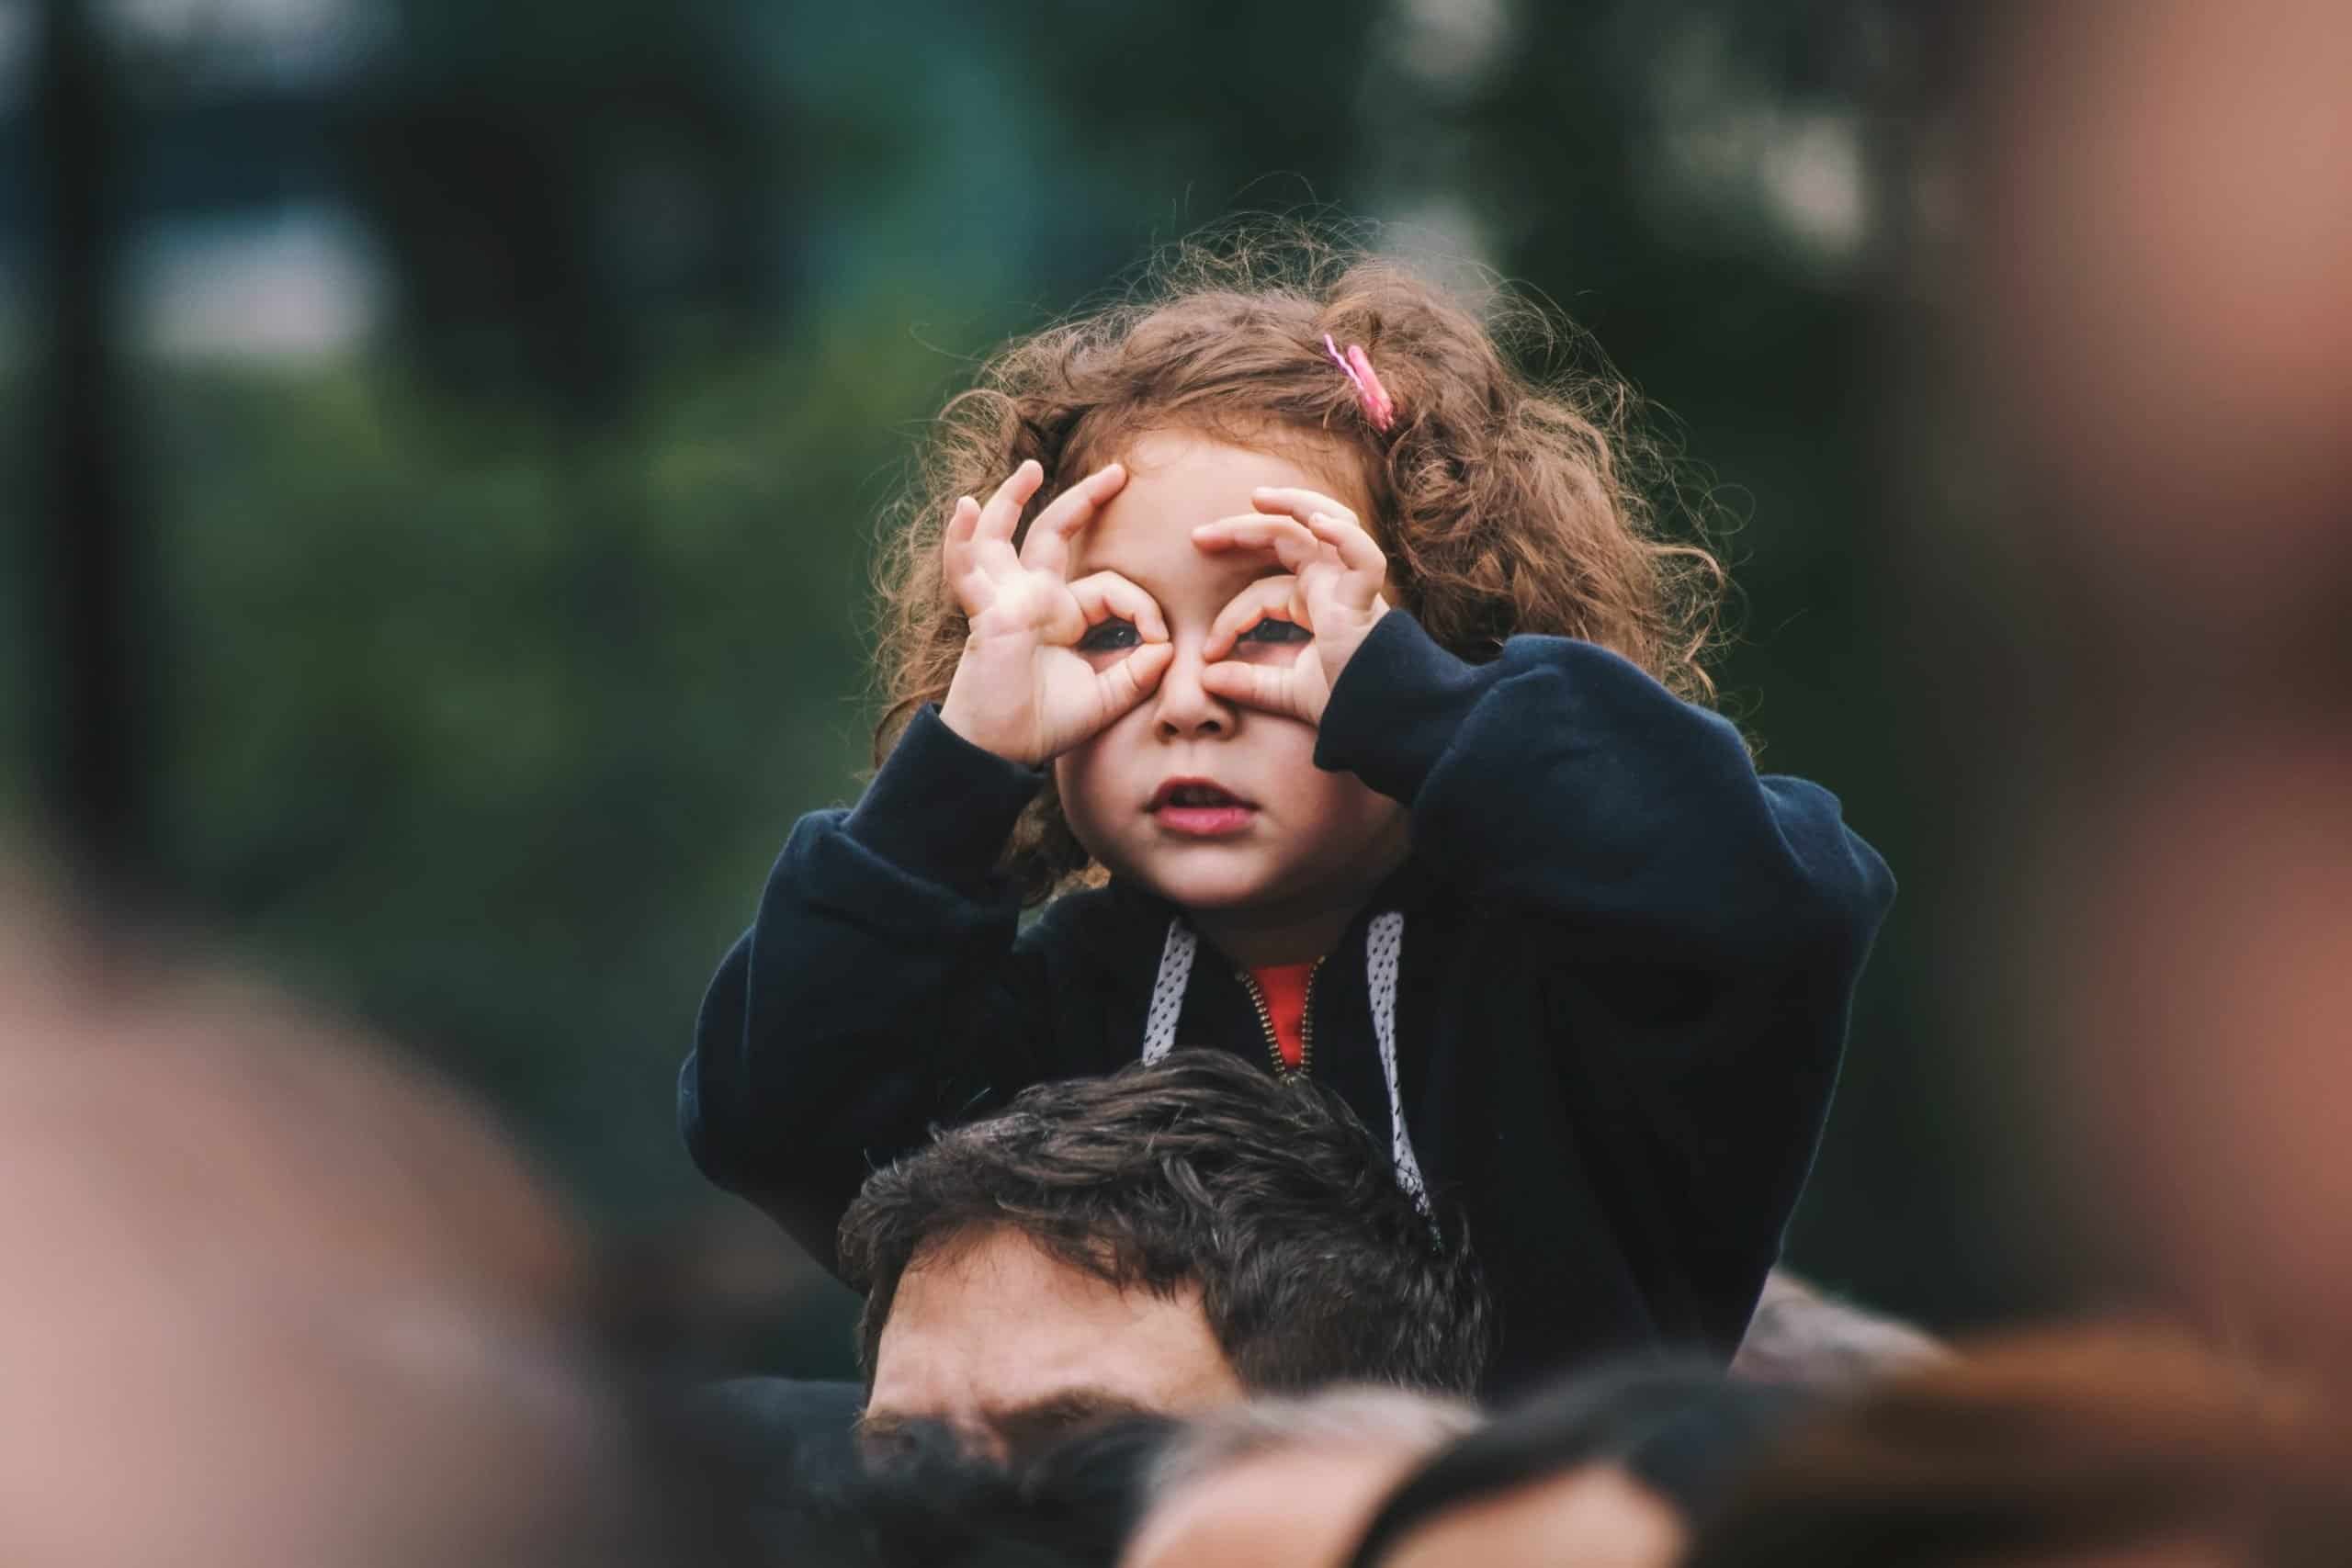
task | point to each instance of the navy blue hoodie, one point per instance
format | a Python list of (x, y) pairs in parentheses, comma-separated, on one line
[(1622, 988)]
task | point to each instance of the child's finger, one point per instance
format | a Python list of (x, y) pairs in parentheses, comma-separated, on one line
[(1272, 598), (1133, 678), (1002, 512), (1291, 542), (1270, 688), (1106, 594), (1296, 500), (960, 560), (955, 542), (1046, 549), (1366, 568), (1345, 534)]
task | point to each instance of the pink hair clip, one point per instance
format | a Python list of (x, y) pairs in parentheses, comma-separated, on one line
[(1356, 365)]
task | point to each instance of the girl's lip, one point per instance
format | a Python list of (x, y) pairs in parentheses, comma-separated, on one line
[(1205, 821), (1160, 797), (1177, 786)]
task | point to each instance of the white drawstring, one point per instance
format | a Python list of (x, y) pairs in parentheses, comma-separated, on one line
[(1168, 991), (1384, 953)]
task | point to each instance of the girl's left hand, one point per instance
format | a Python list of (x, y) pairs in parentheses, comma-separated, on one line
[(1332, 592)]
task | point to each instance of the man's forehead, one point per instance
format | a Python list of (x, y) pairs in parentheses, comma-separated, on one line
[(968, 1298), (993, 1324)]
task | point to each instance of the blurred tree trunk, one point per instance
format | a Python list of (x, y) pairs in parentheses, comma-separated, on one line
[(93, 740)]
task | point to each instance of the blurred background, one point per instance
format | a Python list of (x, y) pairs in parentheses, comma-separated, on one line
[(458, 430)]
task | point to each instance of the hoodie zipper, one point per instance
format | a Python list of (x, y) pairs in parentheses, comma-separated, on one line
[(1282, 1069)]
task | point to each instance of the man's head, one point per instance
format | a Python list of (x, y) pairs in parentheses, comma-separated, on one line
[(1165, 1239)]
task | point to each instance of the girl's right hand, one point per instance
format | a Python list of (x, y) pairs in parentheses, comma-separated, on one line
[(1042, 670)]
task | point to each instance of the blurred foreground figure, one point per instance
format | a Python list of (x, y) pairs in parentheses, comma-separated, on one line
[(2164, 275), (1802, 1335), (272, 1299), (1287, 1482), (2081, 1450), (1611, 1469)]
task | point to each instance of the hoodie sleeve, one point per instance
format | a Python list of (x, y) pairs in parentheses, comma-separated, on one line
[(876, 992), (1700, 928)]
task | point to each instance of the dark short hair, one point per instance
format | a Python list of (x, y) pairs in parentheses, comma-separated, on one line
[(1313, 1265), (930, 1503), (1681, 1429)]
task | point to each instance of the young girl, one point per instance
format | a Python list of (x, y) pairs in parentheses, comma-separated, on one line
[(1343, 710)]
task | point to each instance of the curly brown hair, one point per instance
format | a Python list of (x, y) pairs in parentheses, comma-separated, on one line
[(1506, 502)]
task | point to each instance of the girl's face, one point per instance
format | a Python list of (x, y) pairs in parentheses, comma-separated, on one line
[(1216, 807)]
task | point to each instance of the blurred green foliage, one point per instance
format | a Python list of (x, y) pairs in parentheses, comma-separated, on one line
[(493, 726)]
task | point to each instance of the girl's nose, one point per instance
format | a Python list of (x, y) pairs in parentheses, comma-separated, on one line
[(1183, 707)]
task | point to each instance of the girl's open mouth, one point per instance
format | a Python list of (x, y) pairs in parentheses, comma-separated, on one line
[(1197, 808)]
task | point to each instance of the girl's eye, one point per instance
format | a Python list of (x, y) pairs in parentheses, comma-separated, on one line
[(1109, 636), (1274, 631)]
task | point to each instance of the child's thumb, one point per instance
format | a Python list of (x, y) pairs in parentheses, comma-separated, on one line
[(1132, 678), (1263, 686)]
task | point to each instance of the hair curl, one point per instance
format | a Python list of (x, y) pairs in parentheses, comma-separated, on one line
[(1506, 502)]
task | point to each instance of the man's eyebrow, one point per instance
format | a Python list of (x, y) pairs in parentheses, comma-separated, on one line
[(1058, 1413), (869, 1424), (1058, 1409)]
